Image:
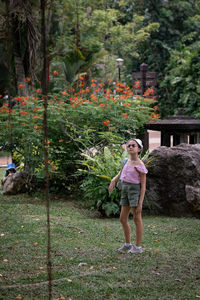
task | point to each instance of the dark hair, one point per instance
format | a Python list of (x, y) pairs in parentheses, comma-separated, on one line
[(11, 169)]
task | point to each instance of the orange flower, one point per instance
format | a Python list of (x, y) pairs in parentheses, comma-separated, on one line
[(38, 91), (36, 108), (102, 105), (155, 116), (35, 117), (37, 127), (94, 97), (21, 86), (23, 124), (27, 79), (156, 107), (53, 167), (125, 115), (136, 84), (106, 123), (23, 113), (55, 72)]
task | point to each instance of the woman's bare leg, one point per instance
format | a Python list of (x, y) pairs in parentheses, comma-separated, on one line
[(137, 218), (125, 210)]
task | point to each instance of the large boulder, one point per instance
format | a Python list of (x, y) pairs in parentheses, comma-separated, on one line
[(14, 184), (173, 181)]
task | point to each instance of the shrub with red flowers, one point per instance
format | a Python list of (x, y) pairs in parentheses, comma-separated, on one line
[(79, 118)]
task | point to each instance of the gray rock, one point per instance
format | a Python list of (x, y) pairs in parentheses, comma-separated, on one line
[(15, 184), (173, 181), (193, 197)]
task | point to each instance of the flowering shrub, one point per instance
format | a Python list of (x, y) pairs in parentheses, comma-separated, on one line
[(87, 115)]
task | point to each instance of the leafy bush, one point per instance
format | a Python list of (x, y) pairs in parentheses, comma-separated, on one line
[(86, 116), (100, 170)]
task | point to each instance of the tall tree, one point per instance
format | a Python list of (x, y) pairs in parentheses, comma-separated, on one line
[(20, 16)]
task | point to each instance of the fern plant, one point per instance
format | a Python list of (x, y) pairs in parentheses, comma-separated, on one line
[(99, 171)]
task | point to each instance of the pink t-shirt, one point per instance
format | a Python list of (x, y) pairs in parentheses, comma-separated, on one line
[(131, 173)]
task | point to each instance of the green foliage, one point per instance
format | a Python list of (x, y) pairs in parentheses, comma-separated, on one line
[(99, 171), (78, 119), (182, 81), (95, 32)]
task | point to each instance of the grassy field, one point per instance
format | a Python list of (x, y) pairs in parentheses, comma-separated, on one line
[(85, 262)]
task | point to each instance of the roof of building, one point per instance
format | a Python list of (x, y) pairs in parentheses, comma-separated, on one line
[(177, 122)]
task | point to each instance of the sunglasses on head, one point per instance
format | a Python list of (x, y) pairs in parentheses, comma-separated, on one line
[(132, 145)]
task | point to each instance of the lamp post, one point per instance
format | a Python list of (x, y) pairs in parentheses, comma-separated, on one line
[(119, 64)]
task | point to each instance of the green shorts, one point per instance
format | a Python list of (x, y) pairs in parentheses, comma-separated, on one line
[(130, 194)]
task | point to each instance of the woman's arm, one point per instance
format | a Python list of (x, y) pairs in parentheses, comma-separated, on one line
[(142, 191), (112, 183), (4, 179)]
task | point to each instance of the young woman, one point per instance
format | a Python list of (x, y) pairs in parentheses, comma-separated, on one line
[(133, 178)]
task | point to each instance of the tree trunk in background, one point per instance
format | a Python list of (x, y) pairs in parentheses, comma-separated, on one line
[(18, 60)]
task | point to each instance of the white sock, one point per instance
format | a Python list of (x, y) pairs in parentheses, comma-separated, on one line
[(138, 247), (127, 244)]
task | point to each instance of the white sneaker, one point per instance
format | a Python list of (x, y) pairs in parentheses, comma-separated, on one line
[(135, 250), (125, 248)]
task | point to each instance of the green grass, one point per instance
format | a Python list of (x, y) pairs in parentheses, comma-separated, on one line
[(167, 269), (2, 172)]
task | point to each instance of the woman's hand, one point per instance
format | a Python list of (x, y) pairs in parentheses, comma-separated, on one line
[(139, 208), (111, 186)]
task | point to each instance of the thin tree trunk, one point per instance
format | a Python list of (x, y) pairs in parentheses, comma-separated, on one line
[(77, 34), (45, 126)]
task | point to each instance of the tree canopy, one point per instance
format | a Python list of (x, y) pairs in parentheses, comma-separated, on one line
[(86, 37)]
